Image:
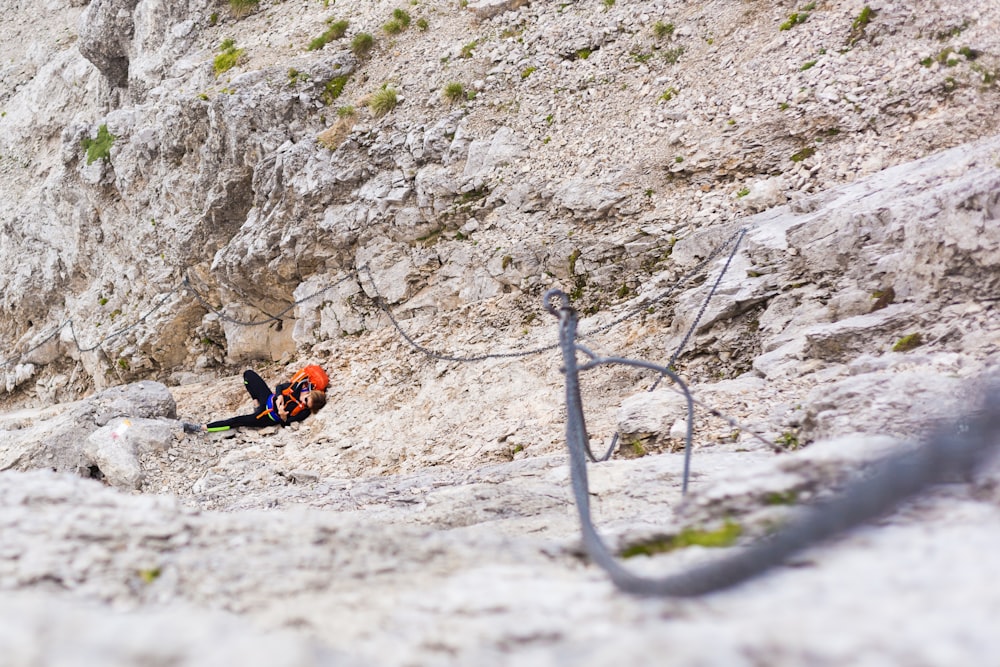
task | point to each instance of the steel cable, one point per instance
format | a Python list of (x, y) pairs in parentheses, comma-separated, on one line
[(442, 356), (947, 453), (738, 237)]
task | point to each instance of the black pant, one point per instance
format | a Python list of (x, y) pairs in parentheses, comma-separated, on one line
[(260, 392)]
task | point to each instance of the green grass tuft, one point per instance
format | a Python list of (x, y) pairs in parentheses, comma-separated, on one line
[(333, 88), (243, 7), (228, 57), (336, 30), (661, 29), (362, 44), (453, 91), (382, 101)]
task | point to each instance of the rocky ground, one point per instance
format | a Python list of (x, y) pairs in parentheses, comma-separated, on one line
[(827, 172)]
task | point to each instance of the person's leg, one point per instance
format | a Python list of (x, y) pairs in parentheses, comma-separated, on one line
[(241, 420), (256, 387)]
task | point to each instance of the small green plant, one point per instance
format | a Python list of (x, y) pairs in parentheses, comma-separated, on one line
[(227, 58), (294, 76), (807, 65), (783, 106), (640, 57), (661, 29), (213, 18), (788, 440), (345, 111), (150, 575), (466, 51), (99, 148), (123, 364), (673, 55), (724, 536), (803, 154), (794, 20), (669, 94), (743, 192), (789, 497), (453, 91), (583, 54), (333, 88), (608, 4), (423, 24), (361, 44), (506, 262), (402, 16), (908, 342), (242, 7), (101, 301), (859, 24), (953, 31), (528, 71), (336, 30), (969, 53), (382, 101), (679, 159)]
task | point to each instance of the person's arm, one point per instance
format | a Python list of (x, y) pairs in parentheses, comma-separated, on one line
[(298, 417)]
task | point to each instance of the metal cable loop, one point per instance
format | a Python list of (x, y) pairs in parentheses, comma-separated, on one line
[(738, 237), (947, 452)]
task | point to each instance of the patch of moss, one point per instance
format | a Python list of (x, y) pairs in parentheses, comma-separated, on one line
[(908, 342), (724, 536), (99, 148), (789, 497), (150, 575), (806, 152)]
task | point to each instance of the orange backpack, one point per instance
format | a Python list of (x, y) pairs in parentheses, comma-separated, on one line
[(318, 379), (312, 374)]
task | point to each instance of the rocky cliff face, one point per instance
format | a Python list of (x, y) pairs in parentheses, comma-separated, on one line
[(796, 205)]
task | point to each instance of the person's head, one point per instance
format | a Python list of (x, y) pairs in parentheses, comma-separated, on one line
[(314, 400)]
